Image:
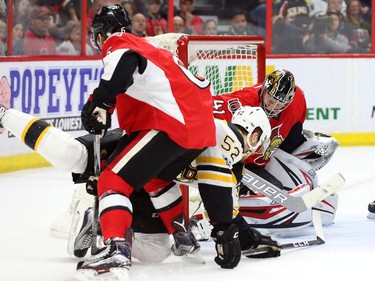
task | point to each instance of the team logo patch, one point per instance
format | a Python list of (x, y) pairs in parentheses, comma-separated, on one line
[(234, 104)]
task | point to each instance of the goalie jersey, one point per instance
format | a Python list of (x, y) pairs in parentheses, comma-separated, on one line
[(219, 170), (286, 127)]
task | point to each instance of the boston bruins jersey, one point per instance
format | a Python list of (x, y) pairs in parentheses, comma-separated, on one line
[(219, 170)]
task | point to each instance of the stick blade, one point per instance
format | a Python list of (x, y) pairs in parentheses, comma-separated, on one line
[(329, 187)]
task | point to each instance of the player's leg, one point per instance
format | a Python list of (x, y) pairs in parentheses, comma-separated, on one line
[(136, 162), (53, 144)]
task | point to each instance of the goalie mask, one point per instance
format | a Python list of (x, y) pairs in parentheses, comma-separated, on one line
[(253, 119), (277, 92), (108, 20)]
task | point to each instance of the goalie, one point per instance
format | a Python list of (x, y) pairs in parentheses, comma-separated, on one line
[(292, 158)]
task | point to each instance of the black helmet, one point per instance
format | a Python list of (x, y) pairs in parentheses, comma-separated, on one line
[(278, 90), (108, 20)]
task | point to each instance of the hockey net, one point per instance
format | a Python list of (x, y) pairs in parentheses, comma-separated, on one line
[(228, 62)]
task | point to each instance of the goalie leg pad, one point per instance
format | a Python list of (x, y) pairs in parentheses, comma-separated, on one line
[(327, 209)]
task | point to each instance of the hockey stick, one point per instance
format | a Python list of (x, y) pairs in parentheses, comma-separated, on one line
[(317, 222), (296, 204), (95, 249)]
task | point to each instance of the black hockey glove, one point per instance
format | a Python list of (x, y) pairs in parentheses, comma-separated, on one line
[(252, 238), (96, 116), (92, 185), (227, 245)]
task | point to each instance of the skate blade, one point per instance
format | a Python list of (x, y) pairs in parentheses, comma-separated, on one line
[(194, 258), (114, 274), (371, 216)]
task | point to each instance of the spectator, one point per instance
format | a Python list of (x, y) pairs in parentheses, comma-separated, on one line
[(55, 29), (128, 6), (37, 40), (326, 36), (179, 25), (3, 10), (240, 25), (73, 40), (358, 30), (18, 31), (257, 16), (3, 38), (72, 10), (366, 10), (210, 27), (317, 7), (139, 23), (22, 11), (156, 24), (192, 22), (290, 25), (140, 6)]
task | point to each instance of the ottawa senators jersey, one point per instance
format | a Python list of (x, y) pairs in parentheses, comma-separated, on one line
[(283, 126), (153, 90)]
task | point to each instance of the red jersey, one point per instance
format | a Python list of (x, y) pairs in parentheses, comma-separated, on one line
[(156, 26), (225, 105), (38, 46), (154, 91)]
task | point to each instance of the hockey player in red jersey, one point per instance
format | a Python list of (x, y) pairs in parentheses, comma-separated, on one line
[(166, 113), (285, 104)]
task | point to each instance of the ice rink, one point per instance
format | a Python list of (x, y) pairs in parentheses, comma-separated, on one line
[(30, 200)]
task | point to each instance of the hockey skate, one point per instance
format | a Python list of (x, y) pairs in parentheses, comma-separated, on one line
[(112, 264), (185, 244), (371, 210)]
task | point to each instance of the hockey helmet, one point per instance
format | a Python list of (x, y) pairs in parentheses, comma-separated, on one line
[(253, 119), (277, 92), (108, 20)]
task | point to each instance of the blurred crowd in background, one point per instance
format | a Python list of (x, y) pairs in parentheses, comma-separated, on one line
[(53, 27)]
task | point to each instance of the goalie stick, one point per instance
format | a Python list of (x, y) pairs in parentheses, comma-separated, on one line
[(296, 204), (317, 222)]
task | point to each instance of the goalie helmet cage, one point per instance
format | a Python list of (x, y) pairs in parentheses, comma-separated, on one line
[(229, 62)]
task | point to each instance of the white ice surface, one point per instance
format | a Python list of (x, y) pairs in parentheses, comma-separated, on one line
[(30, 200)]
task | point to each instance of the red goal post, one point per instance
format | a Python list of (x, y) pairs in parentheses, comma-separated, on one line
[(229, 62)]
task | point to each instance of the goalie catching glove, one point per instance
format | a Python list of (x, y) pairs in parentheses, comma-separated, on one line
[(96, 116), (227, 245)]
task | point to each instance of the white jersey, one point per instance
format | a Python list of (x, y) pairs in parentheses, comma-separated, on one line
[(215, 164)]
